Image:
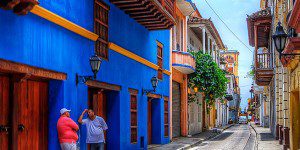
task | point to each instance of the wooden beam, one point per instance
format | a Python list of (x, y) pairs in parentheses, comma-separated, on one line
[(103, 85), (148, 12), (152, 22), (133, 4), (151, 95), (159, 18), (13, 67), (133, 91), (123, 1)]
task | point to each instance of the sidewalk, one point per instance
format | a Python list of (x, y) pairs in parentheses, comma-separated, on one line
[(183, 143), (264, 138)]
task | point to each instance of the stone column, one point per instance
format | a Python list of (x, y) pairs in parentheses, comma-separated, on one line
[(280, 105), (203, 39), (277, 102), (286, 123)]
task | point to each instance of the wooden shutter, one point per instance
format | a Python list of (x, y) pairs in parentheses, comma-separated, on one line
[(160, 61), (101, 28), (166, 117), (133, 116)]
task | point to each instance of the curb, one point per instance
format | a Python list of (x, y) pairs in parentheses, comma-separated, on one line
[(250, 134), (256, 141)]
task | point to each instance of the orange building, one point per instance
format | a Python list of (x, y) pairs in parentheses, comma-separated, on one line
[(183, 63)]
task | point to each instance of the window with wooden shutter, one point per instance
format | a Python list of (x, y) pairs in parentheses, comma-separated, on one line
[(133, 116), (101, 28), (166, 117), (160, 61)]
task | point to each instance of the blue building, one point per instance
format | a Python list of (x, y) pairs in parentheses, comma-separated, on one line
[(43, 50)]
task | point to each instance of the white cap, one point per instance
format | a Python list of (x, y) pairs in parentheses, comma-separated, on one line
[(63, 110)]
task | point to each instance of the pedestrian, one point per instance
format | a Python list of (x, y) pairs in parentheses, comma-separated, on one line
[(95, 127), (67, 129)]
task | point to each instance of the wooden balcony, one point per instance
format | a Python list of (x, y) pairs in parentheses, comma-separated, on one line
[(153, 14), (294, 19), (259, 28), (264, 69), (183, 62)]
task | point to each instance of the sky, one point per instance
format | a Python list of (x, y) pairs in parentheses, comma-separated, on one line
[(234, 14)]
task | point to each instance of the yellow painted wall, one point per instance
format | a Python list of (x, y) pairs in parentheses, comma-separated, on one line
[(295, 121), (295, 109)]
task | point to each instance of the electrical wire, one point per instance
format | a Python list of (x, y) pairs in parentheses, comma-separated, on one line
[(227, 26)]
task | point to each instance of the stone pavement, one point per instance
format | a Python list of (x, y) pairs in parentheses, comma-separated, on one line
[(183, 143), (264, 138)]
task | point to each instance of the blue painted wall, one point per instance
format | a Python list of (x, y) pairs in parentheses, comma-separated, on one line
[(37, 42)]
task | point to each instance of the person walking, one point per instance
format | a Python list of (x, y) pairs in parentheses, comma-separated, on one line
[(67, 129), (95, 126)]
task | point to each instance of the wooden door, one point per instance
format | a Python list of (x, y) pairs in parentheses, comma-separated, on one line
[(97, 102), (149, 122), (30, 111), (203, 114), (176, 109), (5, 120)]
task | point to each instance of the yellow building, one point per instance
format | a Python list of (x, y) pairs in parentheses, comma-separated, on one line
[(231, 58), (281, 87)]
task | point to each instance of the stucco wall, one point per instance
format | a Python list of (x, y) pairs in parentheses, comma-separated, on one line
[(34, 41)]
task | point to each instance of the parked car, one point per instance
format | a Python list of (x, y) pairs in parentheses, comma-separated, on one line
[(243, 120)]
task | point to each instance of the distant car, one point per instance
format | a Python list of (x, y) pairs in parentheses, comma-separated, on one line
[(243, 120)]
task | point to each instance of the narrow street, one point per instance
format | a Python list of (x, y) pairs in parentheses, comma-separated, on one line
[(235, 138)]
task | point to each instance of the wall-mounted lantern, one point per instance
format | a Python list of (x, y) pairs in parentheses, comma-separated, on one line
[(195, 89), (279, 39), (95, 63), (154, 82)]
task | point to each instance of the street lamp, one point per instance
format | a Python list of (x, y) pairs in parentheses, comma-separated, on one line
[(279, 39), (154, 82), (95, 63)]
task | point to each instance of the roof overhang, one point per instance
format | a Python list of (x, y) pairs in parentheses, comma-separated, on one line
[(195, 22), (187, 7), (294, 20), (259, 26)]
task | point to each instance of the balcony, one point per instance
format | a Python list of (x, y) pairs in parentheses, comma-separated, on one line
[(229, 94), (153, 14), (183, 62), (259, 27), (191, 48), (263, 69)]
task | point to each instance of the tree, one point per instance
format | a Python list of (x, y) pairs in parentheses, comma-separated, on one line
[(208, 78)]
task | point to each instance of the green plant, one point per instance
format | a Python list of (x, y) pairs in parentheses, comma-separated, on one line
[(208, 78), (251, 73)]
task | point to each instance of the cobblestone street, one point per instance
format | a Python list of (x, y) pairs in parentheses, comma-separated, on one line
[(235, 137)]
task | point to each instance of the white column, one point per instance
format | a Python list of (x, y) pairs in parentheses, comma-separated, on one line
[(203, 39), (208, 45)]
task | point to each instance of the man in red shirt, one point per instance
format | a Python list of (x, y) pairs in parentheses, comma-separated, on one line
[(67, 129)]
